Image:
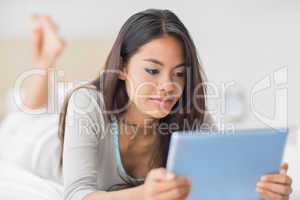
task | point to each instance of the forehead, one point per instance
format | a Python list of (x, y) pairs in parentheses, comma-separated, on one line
[(166, 49)]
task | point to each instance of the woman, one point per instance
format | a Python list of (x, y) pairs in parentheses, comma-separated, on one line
[(115, 130)]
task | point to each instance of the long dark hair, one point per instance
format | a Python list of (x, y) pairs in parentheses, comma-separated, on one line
[(138, 30)]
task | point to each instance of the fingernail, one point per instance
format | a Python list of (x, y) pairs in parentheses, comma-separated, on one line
[(258, 190), (260, 184), (263, 178)]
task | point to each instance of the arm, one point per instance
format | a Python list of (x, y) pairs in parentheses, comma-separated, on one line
[(80, 146), (135, 193), (81, 151), (159, 185)]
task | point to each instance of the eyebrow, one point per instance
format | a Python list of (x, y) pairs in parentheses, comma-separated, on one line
[(160, 63)]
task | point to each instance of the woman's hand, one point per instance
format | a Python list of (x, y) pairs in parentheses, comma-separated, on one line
[(275, 186), (163, 185), (47, 45)]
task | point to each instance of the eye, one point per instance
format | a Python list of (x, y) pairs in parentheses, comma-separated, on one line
[(180, 73), (152, 71)]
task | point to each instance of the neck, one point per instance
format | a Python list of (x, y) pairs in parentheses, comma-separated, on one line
[(137, 125), (135, 117), (138, 135)]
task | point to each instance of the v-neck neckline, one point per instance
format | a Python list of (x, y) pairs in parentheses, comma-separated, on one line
[(115, 128)]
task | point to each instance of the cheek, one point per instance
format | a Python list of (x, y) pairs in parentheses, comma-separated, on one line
[(178, 88), (140, 87)]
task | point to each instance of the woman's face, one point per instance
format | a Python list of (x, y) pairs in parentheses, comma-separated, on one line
[(155, 77)]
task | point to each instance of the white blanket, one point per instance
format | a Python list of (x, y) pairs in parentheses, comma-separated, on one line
[(17, 183), (32, 143)]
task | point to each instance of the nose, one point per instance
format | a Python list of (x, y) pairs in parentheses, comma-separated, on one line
[(166, 84)]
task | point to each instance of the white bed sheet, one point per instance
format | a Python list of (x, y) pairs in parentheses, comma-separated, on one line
[(17, 183)]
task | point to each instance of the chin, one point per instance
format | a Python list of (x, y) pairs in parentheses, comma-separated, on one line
[(158, 114)]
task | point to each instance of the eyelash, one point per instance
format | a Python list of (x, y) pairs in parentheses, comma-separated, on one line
[(151, 71), (180, 74), (156, 71)]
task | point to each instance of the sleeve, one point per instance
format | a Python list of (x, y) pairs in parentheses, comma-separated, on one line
[(80, 157)]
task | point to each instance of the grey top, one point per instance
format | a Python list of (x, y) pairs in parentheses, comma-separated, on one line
[(91, 150)]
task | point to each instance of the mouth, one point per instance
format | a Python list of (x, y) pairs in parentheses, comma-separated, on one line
[(163, 101)]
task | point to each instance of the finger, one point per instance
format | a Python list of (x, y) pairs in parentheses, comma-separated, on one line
[(277, 188), (268, 195), (284, 168), (179, 182), (160, 174), (175, 194), (277, 178)]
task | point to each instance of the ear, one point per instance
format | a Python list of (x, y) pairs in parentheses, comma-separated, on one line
[(123, 74)]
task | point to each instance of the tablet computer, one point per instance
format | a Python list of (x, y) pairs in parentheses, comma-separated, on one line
[(226, 165)]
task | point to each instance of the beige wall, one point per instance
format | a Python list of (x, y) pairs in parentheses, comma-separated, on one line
[(81, 60)]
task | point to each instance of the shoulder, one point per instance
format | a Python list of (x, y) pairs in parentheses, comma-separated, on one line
[(85, 103), (86, 99), (85, 109), (85, 93)]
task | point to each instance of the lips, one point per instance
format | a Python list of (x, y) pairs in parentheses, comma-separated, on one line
[(163, 101)]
